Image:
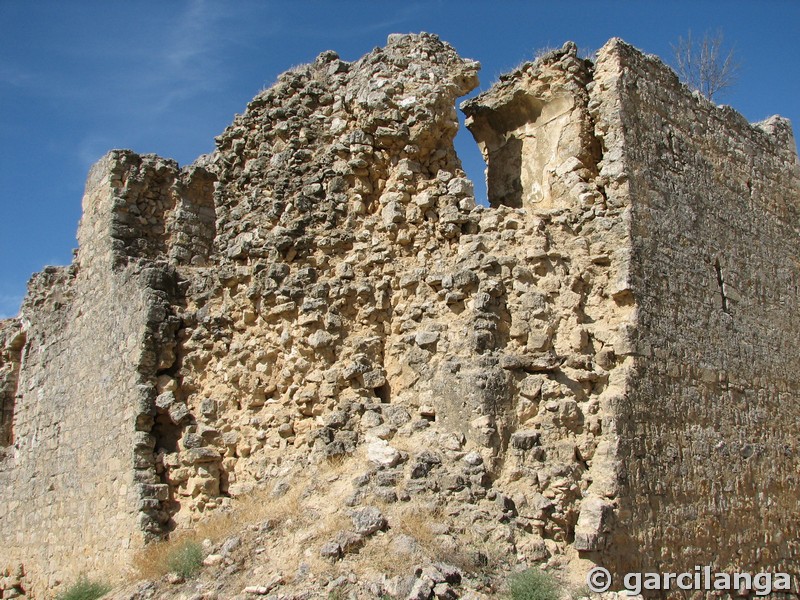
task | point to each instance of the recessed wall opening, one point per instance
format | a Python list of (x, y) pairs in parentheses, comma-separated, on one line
[(167, 434), (504, 175), (383, 392), (7, 399), (522, 143)]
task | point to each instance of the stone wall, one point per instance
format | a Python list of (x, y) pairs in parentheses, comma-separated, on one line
[(364, 304), (11, 342), (564, 182), (67, 488), (154, 211), (77, 480), (589, 370), (708, 429)]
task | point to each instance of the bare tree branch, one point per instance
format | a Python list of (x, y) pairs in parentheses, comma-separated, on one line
[(705, 67)]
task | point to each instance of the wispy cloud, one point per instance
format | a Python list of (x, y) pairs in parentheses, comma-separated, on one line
[(179, 56), (14, 76), (9, 305), (189, 62), (192, 57)]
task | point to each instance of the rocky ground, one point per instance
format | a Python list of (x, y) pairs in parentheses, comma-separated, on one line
[(298, 541)]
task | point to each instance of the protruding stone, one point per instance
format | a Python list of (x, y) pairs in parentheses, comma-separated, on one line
[(593, 524), (367, 521), (381, 453)]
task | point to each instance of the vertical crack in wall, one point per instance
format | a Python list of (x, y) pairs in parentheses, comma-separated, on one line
[(158, 356), (721, 284)]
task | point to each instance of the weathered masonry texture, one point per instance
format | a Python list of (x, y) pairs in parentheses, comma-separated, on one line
[(708, 431), (599, 368), (78, 482)]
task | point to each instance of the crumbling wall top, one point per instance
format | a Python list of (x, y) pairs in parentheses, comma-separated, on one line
[(534, 130), (319, 147)]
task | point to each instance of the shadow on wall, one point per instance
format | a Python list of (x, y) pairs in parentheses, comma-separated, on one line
[(9, 372), (504, 175)]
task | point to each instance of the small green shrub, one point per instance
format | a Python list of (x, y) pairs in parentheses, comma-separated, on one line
[(533, 584), (84, 589), (186, 559)]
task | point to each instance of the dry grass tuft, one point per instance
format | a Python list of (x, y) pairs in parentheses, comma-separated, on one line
[(153, 561), (416, 520)]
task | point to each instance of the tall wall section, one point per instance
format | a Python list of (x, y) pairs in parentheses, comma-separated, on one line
[(77, 483), (550, 151), (708, 428)]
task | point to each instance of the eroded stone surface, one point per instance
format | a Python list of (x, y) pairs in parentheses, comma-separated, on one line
[(573, 375)]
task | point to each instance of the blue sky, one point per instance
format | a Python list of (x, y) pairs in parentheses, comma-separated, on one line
[(82, 77)]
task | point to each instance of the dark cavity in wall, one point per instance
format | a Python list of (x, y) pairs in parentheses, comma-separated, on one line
[(383, 392), (504, 175), (167, 433)]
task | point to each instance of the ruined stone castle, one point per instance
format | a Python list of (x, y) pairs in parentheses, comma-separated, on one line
[(598, 368)]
